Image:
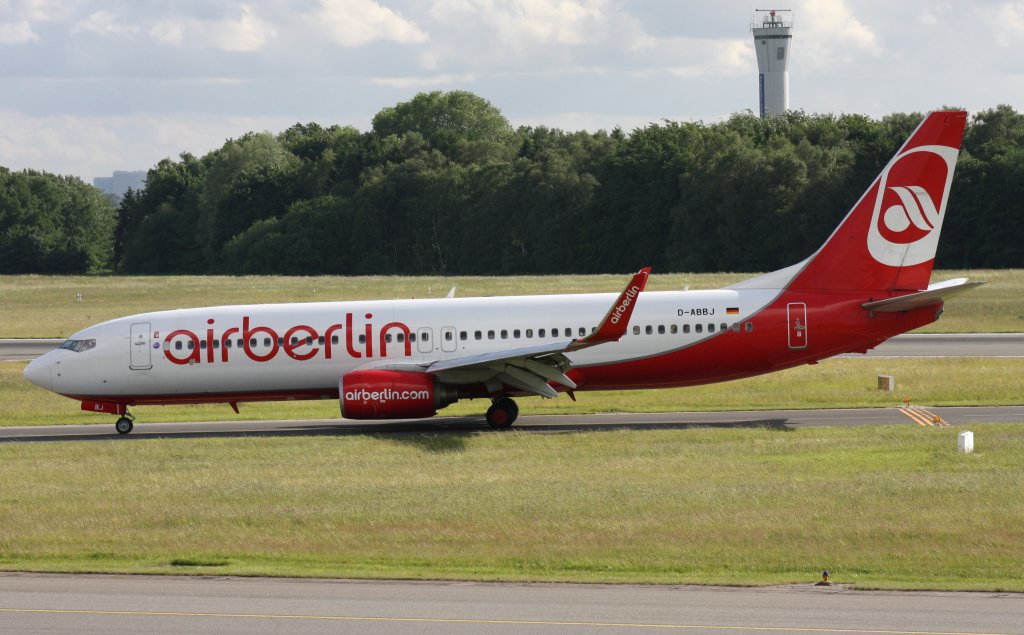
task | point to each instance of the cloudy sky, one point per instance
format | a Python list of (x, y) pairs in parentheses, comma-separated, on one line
[(89, 86)]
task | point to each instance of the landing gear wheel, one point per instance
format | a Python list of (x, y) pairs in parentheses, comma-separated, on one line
[(502, 413), (124, 425)]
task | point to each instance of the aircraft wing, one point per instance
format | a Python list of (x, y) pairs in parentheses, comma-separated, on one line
[(934, 293), (531, 368)]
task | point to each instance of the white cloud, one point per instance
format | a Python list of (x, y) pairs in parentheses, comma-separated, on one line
[(830, 33), (417, 82), (521, 23), (246, 34), (354, 23), (1007, 21), (105, 24), (17, 33)]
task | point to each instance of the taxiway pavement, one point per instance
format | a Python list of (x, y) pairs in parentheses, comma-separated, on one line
[(777, 419), (84, 604)]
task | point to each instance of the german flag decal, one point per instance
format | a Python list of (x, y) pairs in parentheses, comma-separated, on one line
[(732, 310)]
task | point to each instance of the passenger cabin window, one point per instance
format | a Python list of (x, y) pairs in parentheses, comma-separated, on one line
[(362, 339), (412, 337), (504, 334), (266, 342), (529, 332), (387, 338), (177, 345), (583, 331), (400, 337), (191, 345), (516, 334), (723, 327), (636, 330), (490, 335), (463, 335), (478, 335), (540, 332), (673, 329), (448, 336), (649, 329), (748, 327), (568, 332), (698, 328), (424, 335), (334, 339), (711, 328), (661, 329)]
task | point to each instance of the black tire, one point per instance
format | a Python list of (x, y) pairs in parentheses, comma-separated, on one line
[(124, 425), (502, 413)]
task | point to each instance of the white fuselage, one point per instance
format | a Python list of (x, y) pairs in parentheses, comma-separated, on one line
[(307, 347)]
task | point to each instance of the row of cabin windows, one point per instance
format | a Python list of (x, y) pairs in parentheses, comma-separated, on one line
[(697, 328), (517, 333), (464, 335)]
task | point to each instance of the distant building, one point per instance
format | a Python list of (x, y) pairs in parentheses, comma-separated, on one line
[(122, 181), (773, 33)]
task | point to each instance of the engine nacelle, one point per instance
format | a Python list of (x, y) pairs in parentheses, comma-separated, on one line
[(392, 394)]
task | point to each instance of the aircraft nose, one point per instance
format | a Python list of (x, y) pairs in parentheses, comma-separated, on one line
[(38, 372)]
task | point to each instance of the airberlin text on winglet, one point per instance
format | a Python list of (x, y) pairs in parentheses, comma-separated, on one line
[(298, 349)]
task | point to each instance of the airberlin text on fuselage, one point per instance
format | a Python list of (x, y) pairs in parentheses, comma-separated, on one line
[(300, 342)]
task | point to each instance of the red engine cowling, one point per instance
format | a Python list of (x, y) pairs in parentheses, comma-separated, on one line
[(392, 394)]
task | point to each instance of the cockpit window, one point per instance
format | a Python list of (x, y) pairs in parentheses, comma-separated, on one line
[(78, 346)]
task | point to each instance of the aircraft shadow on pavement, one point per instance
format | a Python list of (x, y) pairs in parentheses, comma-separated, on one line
[(435, 436)]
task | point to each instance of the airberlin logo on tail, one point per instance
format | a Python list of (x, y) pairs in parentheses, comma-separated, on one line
[(909, 206)]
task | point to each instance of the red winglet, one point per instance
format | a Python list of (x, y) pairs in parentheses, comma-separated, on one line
[(615, 322)]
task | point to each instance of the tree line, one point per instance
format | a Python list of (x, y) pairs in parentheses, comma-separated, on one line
[(443, 184)]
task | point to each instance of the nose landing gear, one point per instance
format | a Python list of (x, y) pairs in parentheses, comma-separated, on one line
[(125, 424)]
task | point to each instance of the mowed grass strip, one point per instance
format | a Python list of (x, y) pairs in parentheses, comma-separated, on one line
[(48, 306), (888, 507), (833, 383)]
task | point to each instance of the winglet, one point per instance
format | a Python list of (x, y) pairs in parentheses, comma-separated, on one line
[(615, 322)]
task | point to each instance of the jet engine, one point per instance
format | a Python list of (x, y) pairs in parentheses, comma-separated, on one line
[(392, 394)]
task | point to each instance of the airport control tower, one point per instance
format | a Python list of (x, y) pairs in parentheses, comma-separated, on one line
[(773, 34)]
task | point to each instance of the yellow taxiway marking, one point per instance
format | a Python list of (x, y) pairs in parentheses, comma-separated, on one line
[(923, 417), (453, 620)]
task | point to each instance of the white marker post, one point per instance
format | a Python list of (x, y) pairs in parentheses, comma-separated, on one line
[(965, 442)]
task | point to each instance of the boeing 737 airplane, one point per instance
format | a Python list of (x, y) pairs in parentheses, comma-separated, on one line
[(406, 359)]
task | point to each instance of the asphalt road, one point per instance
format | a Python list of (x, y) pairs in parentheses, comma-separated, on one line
[(155, 604), (778, 419), (913, 345)]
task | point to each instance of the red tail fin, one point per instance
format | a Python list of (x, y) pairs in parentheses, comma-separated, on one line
[(887, 242)]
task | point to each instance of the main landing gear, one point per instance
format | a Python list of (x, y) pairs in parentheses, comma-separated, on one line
[(125, 424), (502, 413)]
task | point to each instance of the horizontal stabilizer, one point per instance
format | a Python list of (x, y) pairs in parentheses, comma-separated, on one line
[(933, 294)]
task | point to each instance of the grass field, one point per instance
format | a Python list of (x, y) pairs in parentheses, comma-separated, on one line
[(888, 507), (47, 306), (834, 383)]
